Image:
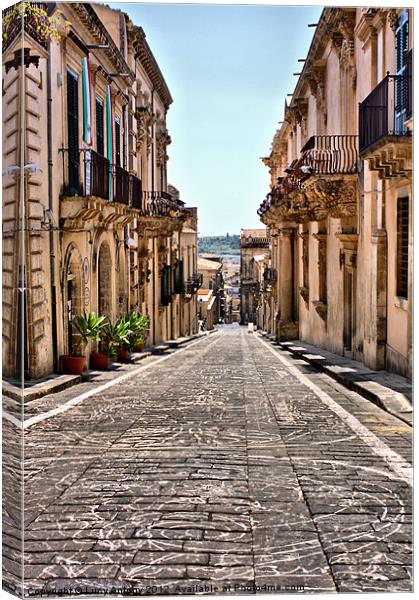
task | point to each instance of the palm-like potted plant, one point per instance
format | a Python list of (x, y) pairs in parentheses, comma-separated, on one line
[(88, 327), (143, 322), (137, 324), (112, 336)]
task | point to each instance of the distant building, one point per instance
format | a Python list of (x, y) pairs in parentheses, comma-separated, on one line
[(212, 280), (254, 243)]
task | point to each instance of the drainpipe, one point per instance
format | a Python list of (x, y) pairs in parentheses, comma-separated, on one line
[(50, 206), (155, 273)]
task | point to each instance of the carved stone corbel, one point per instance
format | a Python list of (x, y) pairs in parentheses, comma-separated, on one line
[(393, 17)]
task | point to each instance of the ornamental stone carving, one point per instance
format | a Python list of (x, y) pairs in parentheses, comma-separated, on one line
[(392, 17), (163, 140), (335, 196), (145, 120)]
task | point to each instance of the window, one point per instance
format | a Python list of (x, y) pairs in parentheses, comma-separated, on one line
[(100, 144), (117, 142), (73, 131), (402, 246)]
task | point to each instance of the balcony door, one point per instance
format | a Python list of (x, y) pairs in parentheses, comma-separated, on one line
[(73, 132), (100, 136), (401, 83)]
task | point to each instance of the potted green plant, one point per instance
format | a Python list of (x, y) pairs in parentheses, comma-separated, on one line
[(143, 325), (111, 337), (88, 327), (125, 345)]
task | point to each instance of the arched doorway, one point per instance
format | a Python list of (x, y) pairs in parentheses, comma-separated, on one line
[(104, 287), (72, 297)]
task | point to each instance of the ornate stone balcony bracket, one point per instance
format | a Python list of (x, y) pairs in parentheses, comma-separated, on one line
[(304, 293), (320, 308), (334, 196)]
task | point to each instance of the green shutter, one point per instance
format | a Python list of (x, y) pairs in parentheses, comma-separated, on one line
[(73, 133), (117, 143), (100, 144)]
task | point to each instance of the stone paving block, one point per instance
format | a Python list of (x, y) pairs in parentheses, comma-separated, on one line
[(216, 467), (158, 571), (171, 558)]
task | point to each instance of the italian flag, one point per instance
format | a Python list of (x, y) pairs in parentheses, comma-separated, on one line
[(109, 138), (87, 101)]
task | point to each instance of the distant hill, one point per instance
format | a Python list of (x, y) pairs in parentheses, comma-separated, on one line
[(219, 244)]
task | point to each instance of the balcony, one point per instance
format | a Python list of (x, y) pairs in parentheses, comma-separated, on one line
[(270, 275), (320, 183), (89, 174), (34, 14), (327, 155), (161, 204), (384, 135), (192, 285), (93, 188), (136, 192)]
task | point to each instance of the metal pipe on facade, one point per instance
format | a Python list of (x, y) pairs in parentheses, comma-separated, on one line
[(50, 206), (154, 237)]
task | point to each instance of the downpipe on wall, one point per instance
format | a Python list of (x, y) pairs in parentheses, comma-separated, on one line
[(51, 228)]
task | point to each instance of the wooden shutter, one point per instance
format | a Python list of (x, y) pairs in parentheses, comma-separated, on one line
[(178, 277), (73, 132), (100, 144), (401, 82), (117, 142), (402, 42), (402, 246)]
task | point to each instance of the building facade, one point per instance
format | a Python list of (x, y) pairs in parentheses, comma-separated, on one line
[(254, 250), (211, 272), (89, 223), (339, 210)]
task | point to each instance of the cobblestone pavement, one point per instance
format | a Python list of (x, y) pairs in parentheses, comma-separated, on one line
[(221, 469)]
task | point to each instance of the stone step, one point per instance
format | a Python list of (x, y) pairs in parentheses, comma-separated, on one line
[(159, 349)]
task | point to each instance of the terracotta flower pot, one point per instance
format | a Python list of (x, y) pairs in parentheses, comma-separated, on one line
[(72, 365), (123, 355), (139, 347), (99, 362)]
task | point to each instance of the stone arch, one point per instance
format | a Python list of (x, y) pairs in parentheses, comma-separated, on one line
[(72, 296), (104, 279)]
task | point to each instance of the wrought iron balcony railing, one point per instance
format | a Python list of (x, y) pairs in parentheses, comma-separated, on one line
[(270, 274), (136, 192), (321, 155), (94, 176), (327, 155), (385, 110), (160, 204), (193, 284), (122, 184), (12, 22)]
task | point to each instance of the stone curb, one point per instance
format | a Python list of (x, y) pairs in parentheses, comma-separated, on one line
[(52, 385), (392, 401), (58, 383)]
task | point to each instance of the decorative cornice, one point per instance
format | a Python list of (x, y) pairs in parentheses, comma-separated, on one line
[(87, 15), (146, 57), (392, 17), (365, 30)]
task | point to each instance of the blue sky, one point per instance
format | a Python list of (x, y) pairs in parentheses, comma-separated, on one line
[(229, 68)]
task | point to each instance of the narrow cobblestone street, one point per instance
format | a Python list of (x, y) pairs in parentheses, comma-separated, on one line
[(230, 465)]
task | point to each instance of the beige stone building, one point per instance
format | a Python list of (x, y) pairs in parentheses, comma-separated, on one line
[(89, 223), (211, 272), (339, 210), (254, 247)]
